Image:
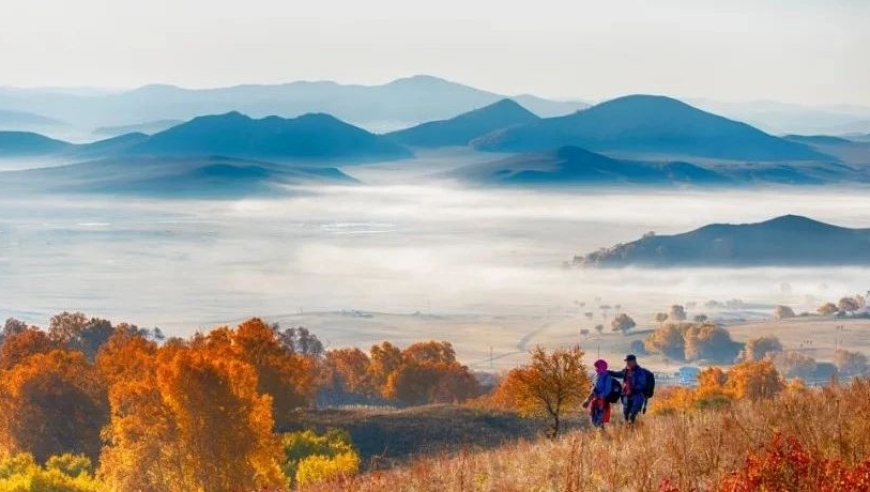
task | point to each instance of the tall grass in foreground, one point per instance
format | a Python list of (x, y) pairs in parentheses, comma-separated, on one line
[(697, 449)]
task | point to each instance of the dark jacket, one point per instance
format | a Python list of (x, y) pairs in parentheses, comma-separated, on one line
[(635, 380)]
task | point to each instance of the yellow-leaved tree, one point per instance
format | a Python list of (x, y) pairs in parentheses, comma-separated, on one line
[(188, 418), (550, 385)]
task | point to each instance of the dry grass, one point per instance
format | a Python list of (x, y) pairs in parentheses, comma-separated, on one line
[(694, 450)]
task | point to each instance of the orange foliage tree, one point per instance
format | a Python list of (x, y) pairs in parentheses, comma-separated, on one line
[(190, 417), (754, 380), (549, 385), (52, 403)]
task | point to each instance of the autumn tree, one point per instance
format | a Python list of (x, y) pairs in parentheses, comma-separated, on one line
[(677, 313), (660, 318), (80, 332), (287, 375), (783, 312), (141, 450), (669, 341), (754, 380), (52, 403), (710, 342), (757, 349), (300, 340), (11, 327), (348, 370), (711, 384), (224, 427), (385, 359), (848, 305), (599, 329), (21, 345), (549, 385), (794, 364), (622, 323), (193, 420), (828, 309), (429, 373)]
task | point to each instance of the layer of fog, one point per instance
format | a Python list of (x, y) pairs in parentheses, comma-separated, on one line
[(359, 264)]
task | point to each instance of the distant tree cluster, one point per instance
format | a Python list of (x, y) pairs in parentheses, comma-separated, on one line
[(622, 323), (760, 348), (425, 372), (848, 305), (783, 312), (693, 342)]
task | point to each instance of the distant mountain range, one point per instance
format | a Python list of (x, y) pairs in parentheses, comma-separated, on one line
[(27, 144), (648, 125), (789, 240), (573, 166), (783, 118), (397, 104), (18, 120), (148, 128), (460, 130), (177, 177), (310, 138)]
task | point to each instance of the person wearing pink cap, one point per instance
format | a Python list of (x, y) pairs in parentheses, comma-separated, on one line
[(597, 401)]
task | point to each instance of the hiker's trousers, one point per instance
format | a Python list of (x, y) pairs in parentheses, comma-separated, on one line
[(631, 406)]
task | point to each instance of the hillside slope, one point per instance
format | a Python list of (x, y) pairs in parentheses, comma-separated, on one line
[(308, 137), (462, 129), (649, 124), (789, 240)]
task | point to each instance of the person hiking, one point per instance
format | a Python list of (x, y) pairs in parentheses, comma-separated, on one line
[(601, 395), (636, 387)]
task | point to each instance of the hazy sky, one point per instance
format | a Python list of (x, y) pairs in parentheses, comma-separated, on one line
[(811, 51)]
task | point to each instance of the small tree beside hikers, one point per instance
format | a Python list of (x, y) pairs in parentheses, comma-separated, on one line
[(638, 386)]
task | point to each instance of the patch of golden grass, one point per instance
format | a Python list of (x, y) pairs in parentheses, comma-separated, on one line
[(692, 449)]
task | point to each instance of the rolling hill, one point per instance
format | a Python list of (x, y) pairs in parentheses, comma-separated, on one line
[(177, 177), (148, 128), (573, 166), (21, 144), (308, 137), (789, 240), (312, 137), (19, 120), (649, 125), (463, 128)]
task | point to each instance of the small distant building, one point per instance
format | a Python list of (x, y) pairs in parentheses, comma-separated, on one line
[(687, 375)]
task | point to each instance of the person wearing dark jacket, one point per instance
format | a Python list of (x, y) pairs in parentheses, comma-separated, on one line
[(633, 388)]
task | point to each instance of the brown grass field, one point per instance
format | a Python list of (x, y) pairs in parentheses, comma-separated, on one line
[(692, 450)]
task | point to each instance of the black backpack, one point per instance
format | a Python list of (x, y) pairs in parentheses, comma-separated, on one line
[(650, 390), (615, 391)]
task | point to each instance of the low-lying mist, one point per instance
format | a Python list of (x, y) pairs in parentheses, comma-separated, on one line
[(477, 267)]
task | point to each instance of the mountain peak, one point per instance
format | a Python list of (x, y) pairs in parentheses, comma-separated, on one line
[(642, 123), (462, 129), (795, 222), (420, 79), (314, 136)]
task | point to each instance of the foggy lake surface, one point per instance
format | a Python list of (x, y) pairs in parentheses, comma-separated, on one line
[(359, 264)]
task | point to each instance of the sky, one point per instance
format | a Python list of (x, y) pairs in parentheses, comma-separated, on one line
[(805, 51)]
